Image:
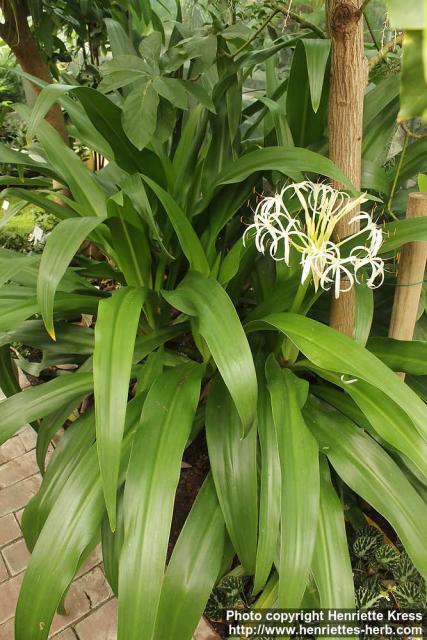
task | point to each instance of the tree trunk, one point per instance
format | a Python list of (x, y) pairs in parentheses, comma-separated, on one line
[(347, 87), (17, 35)]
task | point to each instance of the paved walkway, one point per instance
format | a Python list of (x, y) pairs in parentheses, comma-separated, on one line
[(90, 606), (91, 609)]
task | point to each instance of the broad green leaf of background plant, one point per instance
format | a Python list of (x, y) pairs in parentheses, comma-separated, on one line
[(234, 469), (367, 469), (115, 334), (151, 482), (140, 114), (299, 461), (422, 183), (62, 244), (219, 325), (172, 90), (193, 568), (120, 42), (329, 349)]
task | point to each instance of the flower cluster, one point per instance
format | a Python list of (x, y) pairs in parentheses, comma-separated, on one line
[(311, 234)]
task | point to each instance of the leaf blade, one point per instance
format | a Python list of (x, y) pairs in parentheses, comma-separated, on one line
[(233, 464), (151, 482), (193, 568), (220, 326), (299, 461), (115, 334), (62, 244)]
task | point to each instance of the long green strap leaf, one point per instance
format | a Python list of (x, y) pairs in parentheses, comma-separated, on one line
[(37, 402), (188, 239), (78, 178), (62, 244), (364, 313), (367, 469), (49, 426), (283, 159), (402, 231), (331, 564), (69, 529), (332, 350), (151, 482), (220, 327), (71, 448), (234, 468), (15, 311), (9, 383), (270, 481), (388, 420), (317, 54), (193, 568), (115, 334), (72, 525), (46, 98), (299, 460), (112, 544), (409, 356)]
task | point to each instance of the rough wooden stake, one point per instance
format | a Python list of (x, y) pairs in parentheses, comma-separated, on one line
[(347, 87), (410, 277)]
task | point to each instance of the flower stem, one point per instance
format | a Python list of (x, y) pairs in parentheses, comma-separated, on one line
[(289, 350), (396, 177)]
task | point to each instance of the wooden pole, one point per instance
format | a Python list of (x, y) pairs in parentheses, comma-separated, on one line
[(347, 87), (410, 278)]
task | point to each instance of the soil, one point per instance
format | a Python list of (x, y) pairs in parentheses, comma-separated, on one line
[(194, 471)]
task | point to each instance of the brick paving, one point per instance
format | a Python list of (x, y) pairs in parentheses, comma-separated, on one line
[(90, 606), (91, 609)]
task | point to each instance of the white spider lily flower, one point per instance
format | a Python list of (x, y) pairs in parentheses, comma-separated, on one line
[(321, 257), (273, 224)]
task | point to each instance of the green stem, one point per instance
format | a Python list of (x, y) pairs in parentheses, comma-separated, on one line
[(363, 6), (309, 303), (256, 34), (302, 21), (299, 296), (396, 177), (289, 350), (371, 31)]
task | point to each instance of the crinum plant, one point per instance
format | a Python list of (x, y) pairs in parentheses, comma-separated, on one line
[(178, 330)]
